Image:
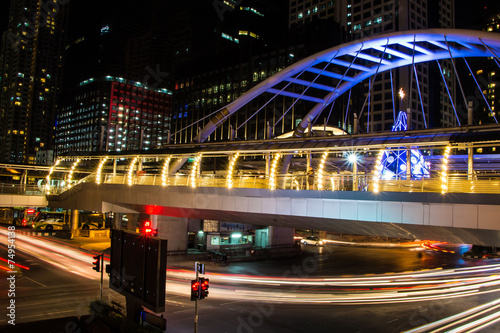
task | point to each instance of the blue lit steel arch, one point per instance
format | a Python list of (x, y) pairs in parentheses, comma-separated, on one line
[(355, 62), (366, 54)]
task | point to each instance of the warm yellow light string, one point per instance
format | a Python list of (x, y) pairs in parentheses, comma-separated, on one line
[(194, 170), (320, 171), (444, 170), (51, 170), (164, 172), (130, 179), (376, 171), (272, 175), (70, 175), (230, 171), (99, 170)]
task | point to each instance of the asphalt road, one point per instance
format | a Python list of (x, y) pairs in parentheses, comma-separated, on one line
[(60, 283), (45, 290)]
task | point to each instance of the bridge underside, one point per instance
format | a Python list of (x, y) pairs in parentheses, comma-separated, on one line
[(461, 218)]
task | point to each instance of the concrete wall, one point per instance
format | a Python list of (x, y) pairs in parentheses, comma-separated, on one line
[(10, 200), (281, 236), (174, 230)]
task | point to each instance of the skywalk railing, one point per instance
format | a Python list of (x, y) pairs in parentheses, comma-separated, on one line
[(20, 189), (453, 183)]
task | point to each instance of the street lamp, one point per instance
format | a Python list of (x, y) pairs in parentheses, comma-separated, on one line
[(401, 96)]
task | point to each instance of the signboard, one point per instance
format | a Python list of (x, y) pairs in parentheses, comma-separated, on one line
[(138, 268)]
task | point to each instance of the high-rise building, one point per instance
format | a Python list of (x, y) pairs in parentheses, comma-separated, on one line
[(487, 74), (250, 41), (30, 78), (118, 63), (114, 114)]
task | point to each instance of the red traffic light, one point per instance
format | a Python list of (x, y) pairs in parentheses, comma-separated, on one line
[(97, 263), (147, 228), (204, 284), (195, 290)]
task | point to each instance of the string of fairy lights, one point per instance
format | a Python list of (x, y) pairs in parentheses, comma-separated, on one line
[(230, 171), (130, 174), (164, 171), (98, 176), (444, 170), (195, 170), (324, 180), (272, 173)]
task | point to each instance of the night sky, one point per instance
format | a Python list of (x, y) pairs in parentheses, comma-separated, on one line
[(4, 15), (469, 13)]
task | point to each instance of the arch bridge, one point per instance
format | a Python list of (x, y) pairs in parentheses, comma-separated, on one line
[(449, 176)]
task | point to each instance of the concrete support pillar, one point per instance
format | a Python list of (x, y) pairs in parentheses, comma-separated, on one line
[(355, 176), (281, 236), (117, 221), (139, 166), (308, 161), (268, 164), (75, 216), (470, 163), (408, 164), (408, 119), (132, 221), (355, 124), (470, 113), (174, 230), (114, 166)]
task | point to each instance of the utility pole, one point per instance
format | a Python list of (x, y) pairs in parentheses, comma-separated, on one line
[(102, 271), (199, 290), (196, 301)]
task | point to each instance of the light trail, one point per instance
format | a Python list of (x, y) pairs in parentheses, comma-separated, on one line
[(53, 253)]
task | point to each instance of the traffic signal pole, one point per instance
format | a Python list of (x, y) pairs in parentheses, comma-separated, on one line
[(102, 271), (196, 302)]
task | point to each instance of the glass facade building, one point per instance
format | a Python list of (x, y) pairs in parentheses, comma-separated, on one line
[(31, 58), (113, 114)]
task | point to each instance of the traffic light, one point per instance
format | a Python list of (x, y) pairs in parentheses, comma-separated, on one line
[(195, 290), (204, 285), (147, 228), (97, 263)]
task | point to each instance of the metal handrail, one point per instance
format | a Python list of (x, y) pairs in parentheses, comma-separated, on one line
[(455, 183)]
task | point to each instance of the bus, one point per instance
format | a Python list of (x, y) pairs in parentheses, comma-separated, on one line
[(18, 216), (50, 220)]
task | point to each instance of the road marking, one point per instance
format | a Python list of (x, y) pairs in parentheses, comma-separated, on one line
[(182, 311), (35, 281), (391, 321), (174, 302), (47, 314)]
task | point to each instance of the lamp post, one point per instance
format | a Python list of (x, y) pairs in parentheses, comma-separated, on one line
[(401, 96)]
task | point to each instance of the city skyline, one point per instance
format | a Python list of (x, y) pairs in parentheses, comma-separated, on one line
[(170, 53)]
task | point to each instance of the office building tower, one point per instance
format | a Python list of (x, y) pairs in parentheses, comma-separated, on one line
[(118, 63), (113, 114), (30, 78)]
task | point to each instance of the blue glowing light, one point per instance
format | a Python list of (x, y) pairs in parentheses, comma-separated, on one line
[(393, 164)]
